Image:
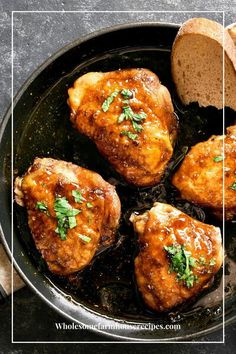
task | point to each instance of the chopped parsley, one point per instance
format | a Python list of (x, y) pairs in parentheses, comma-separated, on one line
[(65, 215), (84, 238), (218, 158), (42, 207), (109, 100), (202, 261), (127, 93), (233, 186), (181, 263), (137, 127), (212, 262), (127, 112), (80, 199), (130, 135), (78, 196), (136, 120)]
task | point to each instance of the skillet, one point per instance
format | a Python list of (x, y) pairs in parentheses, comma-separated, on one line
[(106, 291)]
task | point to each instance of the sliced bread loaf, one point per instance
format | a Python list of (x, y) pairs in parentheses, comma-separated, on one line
[(197, 64)]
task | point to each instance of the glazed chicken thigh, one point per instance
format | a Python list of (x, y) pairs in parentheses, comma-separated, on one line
[(200, 177), (72, 212), (129, 115), (178, 256)]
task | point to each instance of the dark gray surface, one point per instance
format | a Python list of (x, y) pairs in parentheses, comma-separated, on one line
[(36, 37)]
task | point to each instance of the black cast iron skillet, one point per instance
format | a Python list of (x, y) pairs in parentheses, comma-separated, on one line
[(106, 291)]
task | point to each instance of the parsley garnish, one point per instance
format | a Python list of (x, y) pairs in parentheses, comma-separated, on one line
[(84, 238), (137, 127), (89, 205), (212, 262), (218, 158), (42, 207), (127, 112), (127, 93), (135, 118), (233, 186), (109, 100), (202, 261), (129, 134), (65, 215), (181, 262), (78, 196)]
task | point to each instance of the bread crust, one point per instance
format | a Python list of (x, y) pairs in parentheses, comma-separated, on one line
[(232, 31)]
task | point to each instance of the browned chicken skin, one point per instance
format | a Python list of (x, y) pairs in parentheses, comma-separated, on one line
[(135, 131), (71, 212), (200, 177), (178, 256)]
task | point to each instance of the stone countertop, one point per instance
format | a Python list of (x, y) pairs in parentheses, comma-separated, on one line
[(36, 37)]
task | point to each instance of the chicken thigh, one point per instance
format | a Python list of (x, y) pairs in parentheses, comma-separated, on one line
[(200, 177), (129, 115), (178, 256), (72, 212)]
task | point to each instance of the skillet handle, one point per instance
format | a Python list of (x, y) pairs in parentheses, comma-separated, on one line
[(5, 276)]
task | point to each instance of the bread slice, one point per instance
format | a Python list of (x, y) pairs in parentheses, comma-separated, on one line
[(232, 32), (197, 64)]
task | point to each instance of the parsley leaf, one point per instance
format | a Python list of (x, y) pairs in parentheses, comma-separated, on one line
[(135, 118), (212, 262), (181, 262), (139, 116), (189, 280), (129, 134), (109, 100), (137, 127), (121, 118), (72, 222), (233, 186), (65, 215), (78, 196), (42, 207), (202, 261), (61, 229), (218, 158), (84, 238), (127, 112), (127, 93)]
